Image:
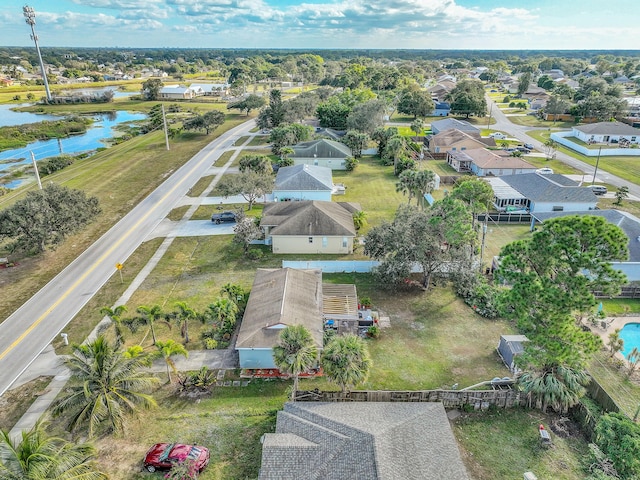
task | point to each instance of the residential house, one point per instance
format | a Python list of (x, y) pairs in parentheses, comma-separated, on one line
[(279, 298), (448, 123), (309, 226), (283, 297), (554, 73), (482, 162), (178, 92), (606, 132), (441, 109), (362, 440), (629, 224), (212, 89), (323, 153), (534, 192), (303, 182), (456, 140)]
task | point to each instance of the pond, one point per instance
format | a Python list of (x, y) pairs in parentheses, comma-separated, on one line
[(630, 333), (102, 129), (10, 117)]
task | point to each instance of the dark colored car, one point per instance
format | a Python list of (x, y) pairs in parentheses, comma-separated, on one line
[(163, 456), (523, 149), (529, 146), (223, 217)]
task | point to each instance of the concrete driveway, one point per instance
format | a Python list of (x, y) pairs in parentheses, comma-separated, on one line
[(190, 228)]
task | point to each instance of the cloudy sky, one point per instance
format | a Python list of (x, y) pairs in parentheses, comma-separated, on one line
[(415, 24)]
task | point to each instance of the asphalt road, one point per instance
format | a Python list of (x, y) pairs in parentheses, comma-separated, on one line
[(36, 323), (520, 132)]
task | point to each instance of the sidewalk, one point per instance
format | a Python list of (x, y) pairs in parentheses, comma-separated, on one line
[(50, 364)]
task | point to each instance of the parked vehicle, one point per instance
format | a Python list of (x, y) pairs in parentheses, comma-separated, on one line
[(598, 189), (523, 149), (223, 217), (529, 146), (545, 171), (498, 135), (163, 456)]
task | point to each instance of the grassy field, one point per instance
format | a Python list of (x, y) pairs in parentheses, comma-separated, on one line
[(624, 392), (623, 167), (120, 177)]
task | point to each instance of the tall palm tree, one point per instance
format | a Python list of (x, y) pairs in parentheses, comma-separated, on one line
[(105, 387), (346, 361), (224, 312), (557, 387), (295, 353), (183, 314), (151, 315), (115, 315), (167, 350), (37, 456), (359, 219)]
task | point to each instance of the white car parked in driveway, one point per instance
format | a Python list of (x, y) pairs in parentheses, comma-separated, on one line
[(498, 135)]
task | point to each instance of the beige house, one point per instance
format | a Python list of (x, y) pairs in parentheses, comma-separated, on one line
[(457, 140), (310, 226), (483, 163)]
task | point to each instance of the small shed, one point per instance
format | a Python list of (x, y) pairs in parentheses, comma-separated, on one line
[(509, 347)]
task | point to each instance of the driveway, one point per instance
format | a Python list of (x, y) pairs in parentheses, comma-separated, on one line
[(190, 228)]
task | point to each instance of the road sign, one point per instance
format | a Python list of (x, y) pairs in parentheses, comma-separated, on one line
[(119, 266)]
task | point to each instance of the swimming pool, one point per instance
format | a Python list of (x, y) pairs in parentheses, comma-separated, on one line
[(630, 333)]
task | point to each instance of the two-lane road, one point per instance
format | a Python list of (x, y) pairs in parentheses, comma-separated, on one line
[(36, 323)]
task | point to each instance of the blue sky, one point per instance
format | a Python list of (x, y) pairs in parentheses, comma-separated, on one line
[(418, 24)]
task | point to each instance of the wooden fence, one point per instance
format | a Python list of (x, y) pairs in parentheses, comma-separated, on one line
[(506, 217), (630, 291), (477, 399)]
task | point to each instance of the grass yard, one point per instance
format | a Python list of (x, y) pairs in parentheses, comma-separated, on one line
[(623, 167), (259, 141), (373, 185), (533, 121), (625, 393), (15, 402), (503, 444), (501, 234), (229, 424)]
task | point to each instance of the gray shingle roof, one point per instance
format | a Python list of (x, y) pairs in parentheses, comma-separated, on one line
[(447, 123), (282, 296), (545, 188), (304, 178), (310, 218), (322, 148), (629, 224), (364, 441), (608, 128)]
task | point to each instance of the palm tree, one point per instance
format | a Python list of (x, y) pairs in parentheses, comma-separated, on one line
[(615, 343), (37, 456), (359, 219), (406, 184), (557, 387), (346, 361), (634, 359), (417, 125), (295, 353), (115, 315), (223, 312), (167, 350), (105, 386), (149, 316), (183, 315)]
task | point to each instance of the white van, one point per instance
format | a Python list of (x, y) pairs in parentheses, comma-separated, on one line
[(598, 189)]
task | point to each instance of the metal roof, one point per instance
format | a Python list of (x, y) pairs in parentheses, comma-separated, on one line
[(502, 190)]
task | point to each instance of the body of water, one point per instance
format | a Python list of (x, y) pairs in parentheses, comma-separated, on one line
[(630, 333), (94, 138), (10, 117)]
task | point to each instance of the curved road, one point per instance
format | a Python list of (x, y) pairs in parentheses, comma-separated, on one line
[(35, 324), (520, 132)]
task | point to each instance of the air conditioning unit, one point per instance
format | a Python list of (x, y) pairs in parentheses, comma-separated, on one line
[(529, 476)]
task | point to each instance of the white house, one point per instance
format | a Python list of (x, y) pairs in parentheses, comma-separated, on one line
[(178, 92), (303, 182), (606, 132), (323, 153)]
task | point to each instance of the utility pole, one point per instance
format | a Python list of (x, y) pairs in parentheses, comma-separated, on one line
[(30, 17), (595, 172), (484, 235), (490, 112), (166, 134), (35, 167)]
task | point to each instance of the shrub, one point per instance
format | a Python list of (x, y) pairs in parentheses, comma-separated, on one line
[(53, 164), (351, 163), (478, 294), (210, 343), (255, 254), (373, 331)]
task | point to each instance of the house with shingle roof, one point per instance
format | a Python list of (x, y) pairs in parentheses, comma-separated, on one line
[(483, 162), (303, 182), (456, 140), (361, 440), (282, 297), (447, 123), (323, 153), (309, 226), (629, 224), (606, 132), (535, 192), (178, 92), (279, 298)]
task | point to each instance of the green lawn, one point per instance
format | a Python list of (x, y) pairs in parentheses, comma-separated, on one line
[(624, 167), (615, 382)]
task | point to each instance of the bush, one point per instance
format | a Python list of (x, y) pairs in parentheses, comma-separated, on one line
[(210, 343), (255, 254), (478, 293), (351, 163), (373, 331), (619, 439), (53, 164)]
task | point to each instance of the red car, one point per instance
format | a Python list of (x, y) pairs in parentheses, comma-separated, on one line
[(163, 456)]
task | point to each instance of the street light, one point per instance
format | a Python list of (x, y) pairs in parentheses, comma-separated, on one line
[(593, 180), (30, 17)]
